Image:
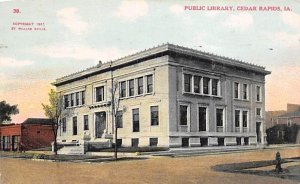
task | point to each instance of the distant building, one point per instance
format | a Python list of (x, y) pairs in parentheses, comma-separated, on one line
[(288, 117), (170, 96), (284, 126), (32, 133)]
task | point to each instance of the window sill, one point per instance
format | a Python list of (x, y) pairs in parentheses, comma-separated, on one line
[(74, 106), (244, 100), (201, 94), (141, 95)]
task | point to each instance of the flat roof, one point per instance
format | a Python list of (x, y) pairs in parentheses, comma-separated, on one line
[(157, 51)]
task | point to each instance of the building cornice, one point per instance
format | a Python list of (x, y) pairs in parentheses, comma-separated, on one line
[(161, 50)]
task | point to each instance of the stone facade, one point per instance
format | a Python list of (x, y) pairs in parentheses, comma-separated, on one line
[(170, 96)]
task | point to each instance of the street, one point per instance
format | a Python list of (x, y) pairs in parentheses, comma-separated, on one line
[(194, 169)]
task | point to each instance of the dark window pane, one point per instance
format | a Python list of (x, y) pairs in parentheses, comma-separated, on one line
[(135, 142), (86, 122), (131, 87), (77, 98), (123, 89), (66, 100), (202, 118), (72, 99), (154, 115), (197, 84), (187, 82), (236, 90), (237, 118), (153, 141), (219, 117), (149, 83), (183, 115), (64, 125), (245, 91), (214, 87), (99, 94), (83, 97), (258, 98), (136, 120), (245, 118), (206, 85), (140, 85), (75, 125)]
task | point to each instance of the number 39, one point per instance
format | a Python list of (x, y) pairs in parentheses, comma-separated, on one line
[(16, 11)]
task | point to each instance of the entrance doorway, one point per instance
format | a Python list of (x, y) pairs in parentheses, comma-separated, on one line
[(100, 123), (258, 132)]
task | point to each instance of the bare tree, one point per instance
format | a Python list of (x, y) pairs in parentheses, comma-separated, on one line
[(54, 112), (115, 104)]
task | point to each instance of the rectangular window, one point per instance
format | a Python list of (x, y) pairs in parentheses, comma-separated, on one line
[(237, 118), (6, 142), (206, 85), (123, 89), (82, 97), (183, 114), (99, 94), (245, 119), (245, 91), (149, 83), (236, 90), (135, 142), (197, 84), (119, 119), (75, 125), (258, 111), (85, 122), (66, 100), (153, 142), (154, 115), (187, 82), (214, 88), (136, 120), (220, 116), (131, 87), (77, 98), (15, 142), (258, 93), (72, 99), (140, 85), (202, 118), (64, 125)]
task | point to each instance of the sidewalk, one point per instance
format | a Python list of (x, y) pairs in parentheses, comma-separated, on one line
[(194, 151)]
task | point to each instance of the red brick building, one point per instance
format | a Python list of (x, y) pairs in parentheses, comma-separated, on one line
[(32, 133)]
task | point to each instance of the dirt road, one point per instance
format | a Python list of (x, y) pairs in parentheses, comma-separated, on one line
[(195, 169)]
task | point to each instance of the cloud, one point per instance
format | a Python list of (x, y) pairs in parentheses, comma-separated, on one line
[(79, 52), (12, 62), (292, 19), (71, 19), (130, 11), (176, 9), (241, 21)]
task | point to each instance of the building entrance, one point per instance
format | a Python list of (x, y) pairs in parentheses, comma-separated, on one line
[(100, 122), (258, 132)]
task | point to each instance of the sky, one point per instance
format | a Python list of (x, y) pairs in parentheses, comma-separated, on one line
[(73, 35)]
